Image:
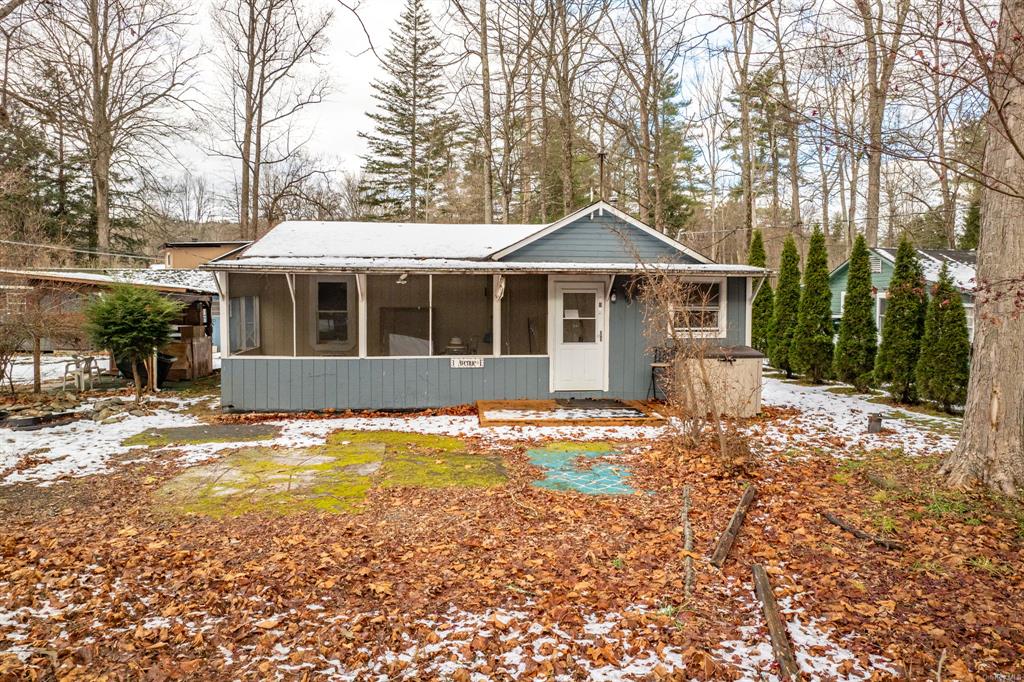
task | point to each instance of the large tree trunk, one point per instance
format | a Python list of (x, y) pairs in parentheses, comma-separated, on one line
[(485, 74), (991, 448)]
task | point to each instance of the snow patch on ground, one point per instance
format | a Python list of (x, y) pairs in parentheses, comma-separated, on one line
[(819, 653), (838, 423), (51, 367), (834, 423), (79, 448)]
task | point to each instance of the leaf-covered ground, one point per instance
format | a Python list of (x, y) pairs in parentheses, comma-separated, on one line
[(458, 574)]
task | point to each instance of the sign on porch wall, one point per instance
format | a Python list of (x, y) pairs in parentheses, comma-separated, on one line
[(467, 363)]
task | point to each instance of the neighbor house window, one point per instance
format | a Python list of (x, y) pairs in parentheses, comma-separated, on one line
[(244, 315), (700, 311), (333, 300), (969, 309)]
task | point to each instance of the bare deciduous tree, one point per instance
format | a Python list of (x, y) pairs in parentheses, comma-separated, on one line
[(265, 46)]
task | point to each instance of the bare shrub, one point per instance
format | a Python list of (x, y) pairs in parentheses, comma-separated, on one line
[(677, 313)]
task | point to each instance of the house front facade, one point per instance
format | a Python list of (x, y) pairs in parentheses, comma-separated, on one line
[(961, 266), (340, 315)]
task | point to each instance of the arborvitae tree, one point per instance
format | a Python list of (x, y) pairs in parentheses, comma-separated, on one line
[(858, 336), (787, 303), (972, 225), (811, 352), (943, 368), (764, 302), (904, 323), (404, 159)]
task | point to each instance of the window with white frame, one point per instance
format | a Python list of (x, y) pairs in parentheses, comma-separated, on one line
[(244, 329), (333, 314), (700, 311), (969, 309)]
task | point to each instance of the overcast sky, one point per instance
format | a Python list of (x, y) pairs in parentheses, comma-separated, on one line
[(333, 125)]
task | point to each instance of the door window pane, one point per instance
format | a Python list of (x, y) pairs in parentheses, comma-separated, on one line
[(579, 331), (578, 306)]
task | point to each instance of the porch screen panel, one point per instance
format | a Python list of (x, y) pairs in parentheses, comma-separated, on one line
[(463, 312), (524, 315), (398, 315)]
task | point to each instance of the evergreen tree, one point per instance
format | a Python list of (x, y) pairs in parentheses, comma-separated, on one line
[(896, 363), (787, 303), (811, 352), (972, 225), (942, 368), (764, 302), (406, 151), (131, 322), (858, 336)]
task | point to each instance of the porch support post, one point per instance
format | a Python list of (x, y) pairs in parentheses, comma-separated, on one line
[(430, 314), (498, 291), (361, 331), (290, 278), (224, 303)]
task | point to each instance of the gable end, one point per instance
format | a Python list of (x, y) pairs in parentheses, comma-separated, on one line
[(597, 239)]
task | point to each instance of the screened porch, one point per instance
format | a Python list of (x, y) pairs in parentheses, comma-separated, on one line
[(400, 315)]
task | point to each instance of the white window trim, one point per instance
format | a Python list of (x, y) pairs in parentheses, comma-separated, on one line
[(971, 321), (723, 312), (241, 322), (842, 303), (350, 292)]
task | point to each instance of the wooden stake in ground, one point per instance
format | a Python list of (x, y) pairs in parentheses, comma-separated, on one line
[(857, 532), (728, 536), (687, 542), (783, 650)]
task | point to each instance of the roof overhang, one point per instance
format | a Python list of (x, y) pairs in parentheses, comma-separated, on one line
[(451, 266), (97, 280)]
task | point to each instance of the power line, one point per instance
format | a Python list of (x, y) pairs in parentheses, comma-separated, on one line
[(90, 252)]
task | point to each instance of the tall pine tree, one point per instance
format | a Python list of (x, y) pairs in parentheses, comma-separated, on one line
[(764, 302), (405, 156), (896, 363), (811, 353), (972, 224), (858, 336), (943, 367), (787, 303)]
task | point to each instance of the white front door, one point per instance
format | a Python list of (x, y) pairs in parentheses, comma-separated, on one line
[(580, 352)]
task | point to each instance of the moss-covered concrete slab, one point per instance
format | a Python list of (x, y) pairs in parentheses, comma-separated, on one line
[(334, 477), (578, 467), (204, 433)]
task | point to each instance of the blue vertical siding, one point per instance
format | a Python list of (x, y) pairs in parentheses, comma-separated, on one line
[(601, 239)]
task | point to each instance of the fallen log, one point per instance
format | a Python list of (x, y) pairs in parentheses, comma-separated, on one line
[(687, 542), (783, 650), (728, 536), (863, 535)]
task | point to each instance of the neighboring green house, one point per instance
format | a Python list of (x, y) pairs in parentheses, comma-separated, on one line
[(961, 269)]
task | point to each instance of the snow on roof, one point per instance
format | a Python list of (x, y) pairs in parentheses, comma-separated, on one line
[(321, 239), (962, 265), (181, 280), (462, 265)]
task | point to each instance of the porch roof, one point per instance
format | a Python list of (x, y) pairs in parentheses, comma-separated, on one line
[(270, 264)]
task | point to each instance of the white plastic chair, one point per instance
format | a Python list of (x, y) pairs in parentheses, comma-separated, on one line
[(84, 368)]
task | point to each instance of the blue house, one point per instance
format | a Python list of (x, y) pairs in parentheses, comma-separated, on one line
[(960, 264), (348, 315)]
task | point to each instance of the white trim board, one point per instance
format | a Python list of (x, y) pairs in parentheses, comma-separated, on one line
[(600, 207)]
